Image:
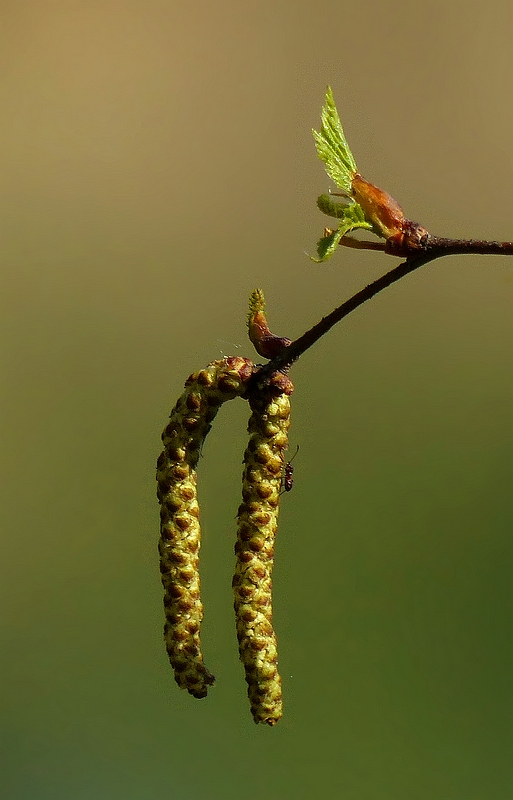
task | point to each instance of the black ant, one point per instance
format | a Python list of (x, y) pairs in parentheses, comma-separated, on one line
[(288, 473)]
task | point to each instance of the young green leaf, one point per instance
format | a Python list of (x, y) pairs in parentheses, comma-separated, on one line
[(351, 217), (332, 147), (330, 207), (328, 243)]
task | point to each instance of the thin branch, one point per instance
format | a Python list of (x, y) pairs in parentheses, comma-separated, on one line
[(434, 244), (291, 353), (433, 247), (452, 247)]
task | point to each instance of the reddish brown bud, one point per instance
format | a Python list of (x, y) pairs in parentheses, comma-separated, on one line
[(379, 207)]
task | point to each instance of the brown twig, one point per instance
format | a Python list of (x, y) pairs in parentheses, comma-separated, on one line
[(440, 246), (432, 247)]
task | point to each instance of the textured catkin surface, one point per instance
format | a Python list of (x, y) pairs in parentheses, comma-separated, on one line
[(257, 524), (190, 422)]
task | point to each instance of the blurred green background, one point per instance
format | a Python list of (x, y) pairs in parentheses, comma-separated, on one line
[(157, 164)]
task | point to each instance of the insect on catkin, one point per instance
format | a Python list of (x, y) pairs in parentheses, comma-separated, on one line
[(288, 474), (257, 524), (190, 422)]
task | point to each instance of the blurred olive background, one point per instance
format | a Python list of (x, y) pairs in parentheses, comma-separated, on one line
[(157, 164)]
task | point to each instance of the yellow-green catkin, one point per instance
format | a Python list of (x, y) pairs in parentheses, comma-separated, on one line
[(264, 461), (183, 437)]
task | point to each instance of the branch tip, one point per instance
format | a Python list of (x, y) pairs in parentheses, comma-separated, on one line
[(264, 341)]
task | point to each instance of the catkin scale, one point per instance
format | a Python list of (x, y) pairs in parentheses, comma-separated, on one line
[(179, 545), (254, 549)]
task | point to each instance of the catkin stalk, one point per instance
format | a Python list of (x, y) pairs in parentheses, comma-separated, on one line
[(257, 523), (183, 437)]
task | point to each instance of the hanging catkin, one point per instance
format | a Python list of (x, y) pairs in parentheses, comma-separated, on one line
[(257, 523), (190, 422)]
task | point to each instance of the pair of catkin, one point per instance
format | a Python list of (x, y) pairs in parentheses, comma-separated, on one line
[(183, 437)]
